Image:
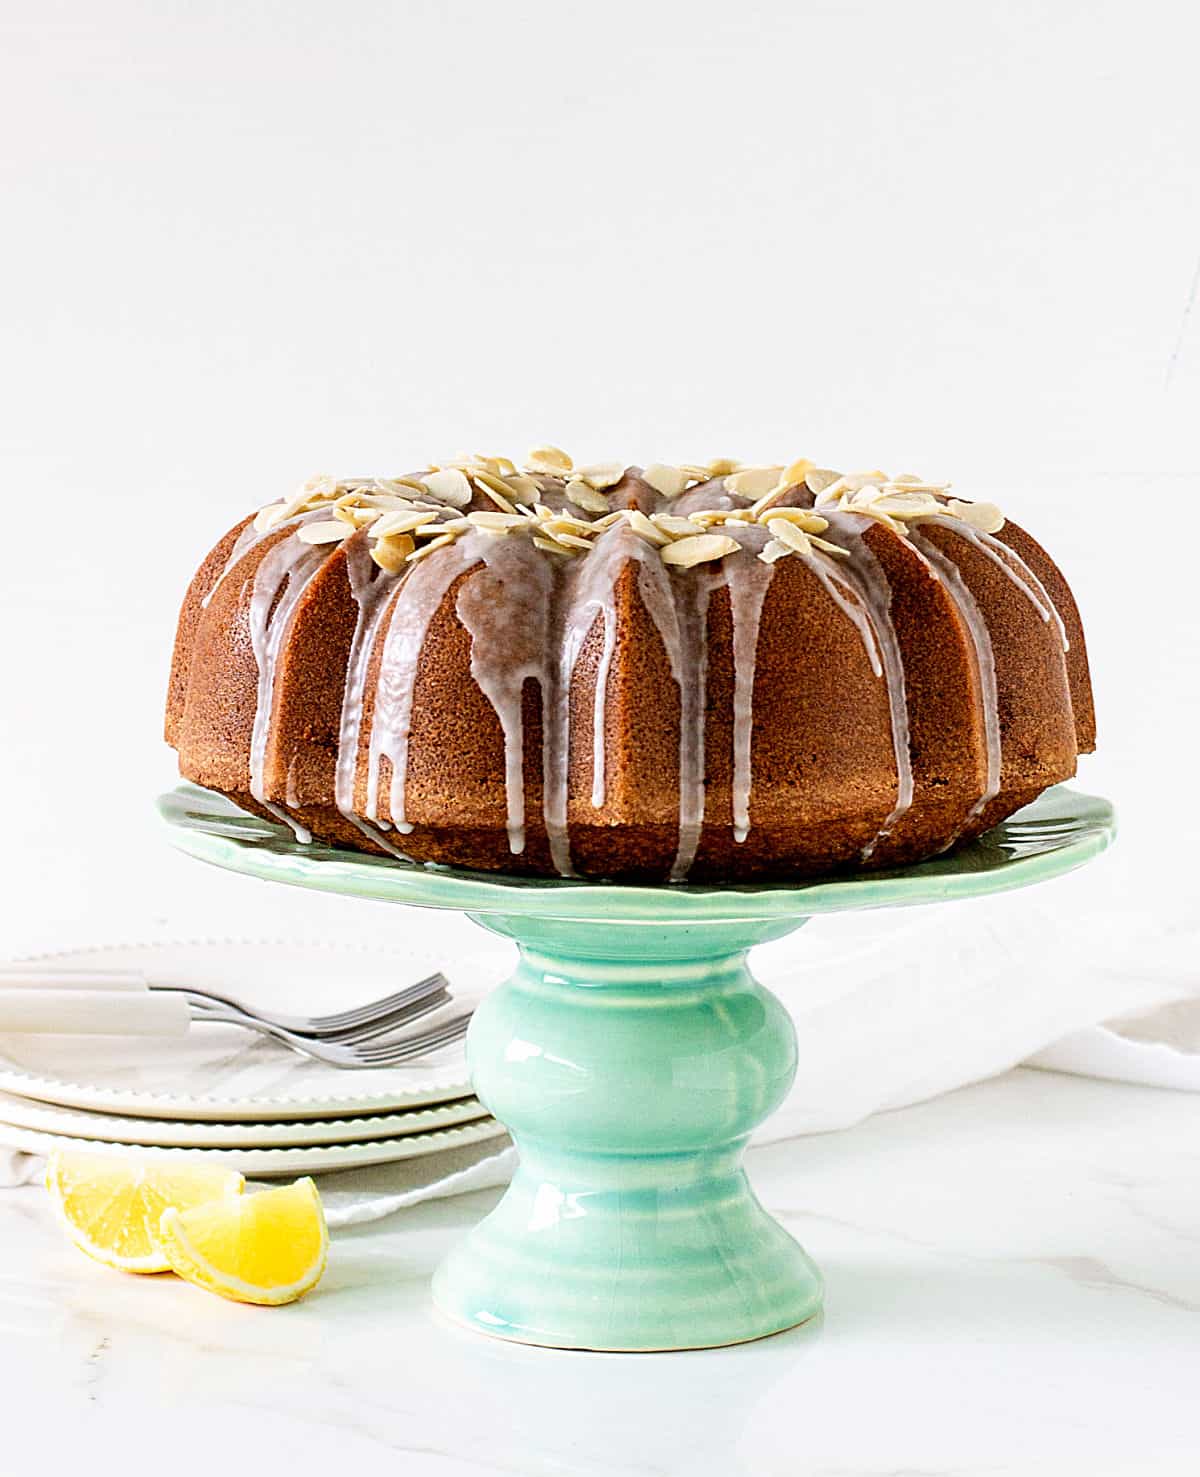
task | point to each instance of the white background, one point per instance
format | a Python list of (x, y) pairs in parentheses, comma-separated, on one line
[(243, 244)]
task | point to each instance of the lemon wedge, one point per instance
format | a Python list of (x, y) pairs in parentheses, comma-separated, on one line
[(266, 1248), (111, 1205)]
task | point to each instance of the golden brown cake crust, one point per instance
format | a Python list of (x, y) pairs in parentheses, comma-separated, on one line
[(883, 683)]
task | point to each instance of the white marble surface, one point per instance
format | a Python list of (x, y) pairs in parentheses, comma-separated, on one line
[(1013, 1287)]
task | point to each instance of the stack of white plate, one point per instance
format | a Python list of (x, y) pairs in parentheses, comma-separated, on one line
[(233, 1097)]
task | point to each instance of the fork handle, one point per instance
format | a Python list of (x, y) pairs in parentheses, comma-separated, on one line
[(93, 1013)]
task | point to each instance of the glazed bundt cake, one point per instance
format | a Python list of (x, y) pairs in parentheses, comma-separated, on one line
[(716, 672)]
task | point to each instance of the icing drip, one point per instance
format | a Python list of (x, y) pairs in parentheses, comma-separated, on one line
[(692, 677), (244, 541), (748, 581), (371, 591), (425, 587), (1014, 567), (955, 586), (506, 608), (870, 582), (279, 581)]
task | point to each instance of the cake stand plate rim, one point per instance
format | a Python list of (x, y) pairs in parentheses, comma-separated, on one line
[(1061, 830)]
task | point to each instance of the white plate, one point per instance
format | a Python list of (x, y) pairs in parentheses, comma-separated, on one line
[(225, 1074), (268, 1163), (302, 1133)]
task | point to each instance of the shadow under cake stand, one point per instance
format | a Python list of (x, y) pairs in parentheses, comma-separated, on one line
[(630, 1055)]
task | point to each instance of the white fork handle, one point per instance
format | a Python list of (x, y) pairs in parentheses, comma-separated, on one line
[(94, 1012), (25, 977)]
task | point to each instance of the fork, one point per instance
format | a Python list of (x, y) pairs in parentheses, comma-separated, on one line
[(386, 1053), (356, 1024)]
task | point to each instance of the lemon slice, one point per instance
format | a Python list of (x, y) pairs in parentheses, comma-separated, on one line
[(111, 1205), (265, 1248)]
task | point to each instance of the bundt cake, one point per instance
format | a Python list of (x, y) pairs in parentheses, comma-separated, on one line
[(715, 673)]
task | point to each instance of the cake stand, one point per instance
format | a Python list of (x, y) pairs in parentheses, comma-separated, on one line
[(630, 1055)]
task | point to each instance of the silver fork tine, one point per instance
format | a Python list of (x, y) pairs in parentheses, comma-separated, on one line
[(230, 1014), (338, 1024), (390, 1053)]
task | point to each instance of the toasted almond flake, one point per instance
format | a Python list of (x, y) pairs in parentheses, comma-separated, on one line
[(496, 497), (449, 486), (550, 546), (721, 466), (701, 549), (564, 523), (905, 505), (434, 543), (399, 486), (571, 540), (789, 533), (452, 526), (551, 460), (499, 521), (668, 480), (823, 543), (355, 517), (601, 474), (584, 495), (676, 527), (810, 522), (796, 472), (266, 518), (393, 523), (600, 524), (642, 525), (320, 489), (523, 489), (768, 500), (332, 532), (819, 480), (391, 553), (987, 517), (752, 482), (774, 551)]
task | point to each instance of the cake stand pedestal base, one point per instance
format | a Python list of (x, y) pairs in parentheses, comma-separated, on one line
[(631, 1055), (630, 1065)]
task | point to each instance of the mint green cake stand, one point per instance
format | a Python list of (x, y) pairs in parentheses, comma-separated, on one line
[(631, 1054)]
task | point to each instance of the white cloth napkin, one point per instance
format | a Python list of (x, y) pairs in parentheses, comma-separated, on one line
[(893, 1008)]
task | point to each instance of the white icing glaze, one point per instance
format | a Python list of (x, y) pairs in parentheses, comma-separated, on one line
[(946, 571), (866, 575), (1013, 567), (280, 580)]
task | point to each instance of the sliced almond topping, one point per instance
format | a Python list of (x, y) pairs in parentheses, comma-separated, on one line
[(320, 489), (686, 552), (501, 522), (572, 540), (551, 460), (391, 553), (668, 480), (393, 523), (564, 523), (601, 474), (434, 543), (449, 486), (695, 473), (810, 522), (676, 527), (789, 533), (796, 472), (820, 480), (753, 482), (987, 517), (905, 505), (399, 486), (642, 525), (721, 466), (774, 551), (453, 526), (823, 543), (494, 496), (551, 547), (584, 495), (332, 532), (355, 517), (266, 518), (610, 518), (523, 489)]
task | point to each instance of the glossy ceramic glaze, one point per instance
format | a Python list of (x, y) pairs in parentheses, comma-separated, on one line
[(631, 1054)]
